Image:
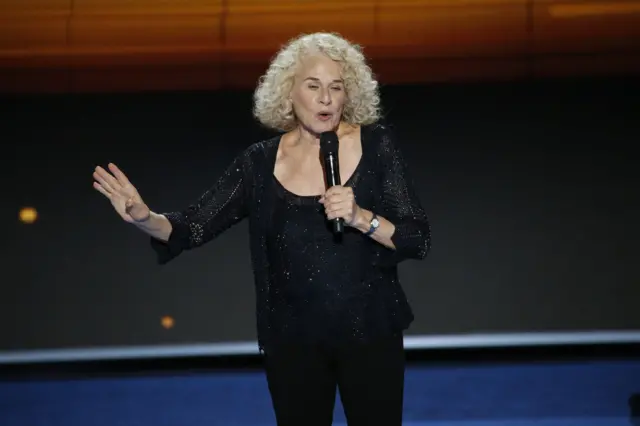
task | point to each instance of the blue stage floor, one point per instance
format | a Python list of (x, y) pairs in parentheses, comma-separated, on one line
[(586, 393)]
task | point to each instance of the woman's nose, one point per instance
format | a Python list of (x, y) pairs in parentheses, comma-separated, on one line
[(325, 97)]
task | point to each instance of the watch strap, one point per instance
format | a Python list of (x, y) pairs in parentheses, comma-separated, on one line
[(373, 224)]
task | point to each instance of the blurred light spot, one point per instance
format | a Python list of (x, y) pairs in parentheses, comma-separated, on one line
[(167, 322), (28, 215)]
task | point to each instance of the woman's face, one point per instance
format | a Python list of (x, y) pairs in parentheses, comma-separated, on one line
[(318, 94)]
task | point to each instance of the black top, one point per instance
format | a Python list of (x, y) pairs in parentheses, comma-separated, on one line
[(310, 286)]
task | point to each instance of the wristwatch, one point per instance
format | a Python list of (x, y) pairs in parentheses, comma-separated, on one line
[(373, 225)]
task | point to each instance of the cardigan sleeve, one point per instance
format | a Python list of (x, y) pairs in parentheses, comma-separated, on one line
[(217, 209), (401, 204)]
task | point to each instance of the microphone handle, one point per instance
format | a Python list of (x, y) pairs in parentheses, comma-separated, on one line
[(338, 225), (333, 178)]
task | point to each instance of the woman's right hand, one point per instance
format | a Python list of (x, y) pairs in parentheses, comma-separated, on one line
[(123, 195)]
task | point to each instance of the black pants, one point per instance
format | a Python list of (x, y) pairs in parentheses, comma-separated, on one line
[(303, 381)]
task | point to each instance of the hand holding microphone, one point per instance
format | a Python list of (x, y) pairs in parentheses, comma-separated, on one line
[(339, 201)]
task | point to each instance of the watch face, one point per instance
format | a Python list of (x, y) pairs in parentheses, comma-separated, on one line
[(375, 223)]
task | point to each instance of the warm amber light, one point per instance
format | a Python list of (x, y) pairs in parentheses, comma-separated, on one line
[(146, 45), (593, 9), (167, 322), (28, 215)]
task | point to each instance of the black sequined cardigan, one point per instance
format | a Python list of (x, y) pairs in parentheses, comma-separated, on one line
[(243, 192)]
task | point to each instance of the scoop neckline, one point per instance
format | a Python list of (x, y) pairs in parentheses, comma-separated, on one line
[(315, 197)]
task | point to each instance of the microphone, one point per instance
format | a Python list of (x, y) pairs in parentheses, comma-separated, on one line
[(329, 152)]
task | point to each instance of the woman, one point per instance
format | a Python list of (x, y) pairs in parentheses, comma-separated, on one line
[(330, 314)]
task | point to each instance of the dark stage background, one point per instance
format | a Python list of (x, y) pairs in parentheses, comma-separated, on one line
[(531, 189)]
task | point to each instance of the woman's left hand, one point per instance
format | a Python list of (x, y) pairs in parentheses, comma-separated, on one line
[(339, 201)]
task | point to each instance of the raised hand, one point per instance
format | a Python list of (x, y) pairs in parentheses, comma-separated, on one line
[(123, 195)]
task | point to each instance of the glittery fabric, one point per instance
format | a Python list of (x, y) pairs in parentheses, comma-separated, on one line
[(310, 286)]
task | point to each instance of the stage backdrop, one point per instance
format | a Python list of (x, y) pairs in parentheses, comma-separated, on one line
[(532, 192), (132, 45)]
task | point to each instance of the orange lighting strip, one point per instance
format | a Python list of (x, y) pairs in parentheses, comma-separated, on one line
[(593, 9)]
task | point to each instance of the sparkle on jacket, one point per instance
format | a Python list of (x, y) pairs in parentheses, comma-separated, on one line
[(381, 183)]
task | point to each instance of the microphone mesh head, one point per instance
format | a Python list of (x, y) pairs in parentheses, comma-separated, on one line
[(328, 142)]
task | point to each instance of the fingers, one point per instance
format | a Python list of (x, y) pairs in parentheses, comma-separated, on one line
[(338, 202), (101, 189), (105, 179), (344, 213), (338, 191), (337, 194), (111, 182), (121, 177)]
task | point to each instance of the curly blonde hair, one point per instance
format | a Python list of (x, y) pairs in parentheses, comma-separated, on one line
[(272, 106)]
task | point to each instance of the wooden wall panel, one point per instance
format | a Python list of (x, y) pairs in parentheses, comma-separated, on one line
[(451, 41), (35, 6), (130, 31), (448, 29), (132, 39), (32, 32), (143, 45), (586, 65), (145, 78), (426, 70), (176, 44), (33, 36), (257, 29), (595, 37), (146, 7), (34, 80), (585, 27), (23, 33)]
